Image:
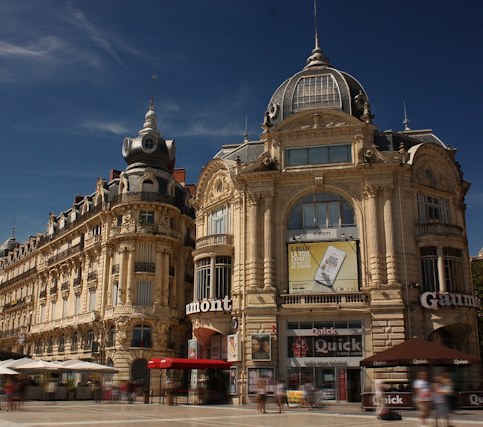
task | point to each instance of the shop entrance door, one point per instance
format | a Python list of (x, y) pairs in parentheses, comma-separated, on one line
[(353, 385)]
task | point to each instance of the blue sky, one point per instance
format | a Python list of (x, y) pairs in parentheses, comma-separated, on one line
[(75, 80)]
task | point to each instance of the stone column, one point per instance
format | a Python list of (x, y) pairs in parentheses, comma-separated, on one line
[(158, 276), (372, 235), (441, 273), (130, 275), (391, 261), (268, 239), (165, 279), (252, 240), (121, 286)]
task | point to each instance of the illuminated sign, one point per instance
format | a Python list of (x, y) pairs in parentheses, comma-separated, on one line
[(321, 267)]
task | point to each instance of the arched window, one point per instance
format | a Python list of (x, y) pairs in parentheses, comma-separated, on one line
[(62, 343), (141, 336), (148, 186), (50, 344), (89, 340), (74, 342), (321, 210)]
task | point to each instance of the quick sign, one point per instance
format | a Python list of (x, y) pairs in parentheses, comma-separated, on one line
[(434, 300), (206, 306)]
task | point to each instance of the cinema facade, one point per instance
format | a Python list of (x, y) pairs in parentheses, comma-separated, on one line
[(328, 240)]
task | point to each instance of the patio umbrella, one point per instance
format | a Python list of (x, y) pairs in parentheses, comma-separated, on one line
[(419, 352), (40, 366), (7, 371), (76, 365), (15, 363)]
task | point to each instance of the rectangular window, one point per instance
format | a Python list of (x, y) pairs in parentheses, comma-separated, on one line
[(146, 217), (144, 294), (203, 279), (429, 269), (219, 221), (115, 293), (77, 305), (453, 269), (92, 300), (52, 310), (64, 307), (223, 276), (433, 209), (42, 313), (319, 155)]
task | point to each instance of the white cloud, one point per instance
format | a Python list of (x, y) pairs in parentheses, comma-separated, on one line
[(116, 128), (80, 20), (40, 49)]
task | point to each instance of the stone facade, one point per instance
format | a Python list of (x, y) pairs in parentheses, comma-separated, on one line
[(109, 280), (387, 207)]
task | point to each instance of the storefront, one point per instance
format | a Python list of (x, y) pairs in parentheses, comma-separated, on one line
[(326, 354)]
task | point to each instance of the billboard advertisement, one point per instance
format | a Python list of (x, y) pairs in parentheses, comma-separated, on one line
[(320, 267)]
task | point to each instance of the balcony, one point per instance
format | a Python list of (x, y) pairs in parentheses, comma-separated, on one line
[(300, 300), (141, 197), (21, 276), (144, 267), (214, 240), (438, 229), (65, 254), (79, 319)]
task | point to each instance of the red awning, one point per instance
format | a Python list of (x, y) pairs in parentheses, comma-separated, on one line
[(179, 363)]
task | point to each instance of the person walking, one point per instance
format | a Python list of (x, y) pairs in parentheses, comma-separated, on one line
[(441, 392), (379, 394), (280, 395), (422, 396), (261, 395)]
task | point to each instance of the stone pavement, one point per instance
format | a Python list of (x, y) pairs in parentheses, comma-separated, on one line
[(87, 413)]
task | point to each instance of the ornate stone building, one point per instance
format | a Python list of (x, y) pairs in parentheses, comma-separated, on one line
[(328, 240), (109, 279)]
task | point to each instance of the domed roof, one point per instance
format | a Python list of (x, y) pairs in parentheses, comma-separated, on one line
[(319, 85), (8, 246), (149, 148)]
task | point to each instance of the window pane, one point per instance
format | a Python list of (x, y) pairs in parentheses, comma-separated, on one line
[(309, 219), (297, 157), (318, 155), (339, 154), (321, 215), (334, 214)]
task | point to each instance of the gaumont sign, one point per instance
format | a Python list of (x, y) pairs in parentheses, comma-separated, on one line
[(433, 300), (206, 306)]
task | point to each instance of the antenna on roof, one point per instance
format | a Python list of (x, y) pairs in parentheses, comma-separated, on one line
[(13, 225), (406, 120), (246, 129), (315, 26), (317, 58)]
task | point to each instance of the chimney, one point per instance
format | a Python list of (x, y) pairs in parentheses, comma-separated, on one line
[(180, 176)]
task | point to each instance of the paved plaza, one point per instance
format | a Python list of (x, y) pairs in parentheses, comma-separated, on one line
[(146, 415)]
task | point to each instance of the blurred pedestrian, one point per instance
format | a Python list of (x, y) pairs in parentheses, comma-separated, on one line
[(281, 394), (441, 392), (422, 396), (379, 394), (261, 395)]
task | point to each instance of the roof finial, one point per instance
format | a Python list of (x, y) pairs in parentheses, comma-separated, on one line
[(317, 57), (246, 129), (154, 77), (406, 120), (13, 225)]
